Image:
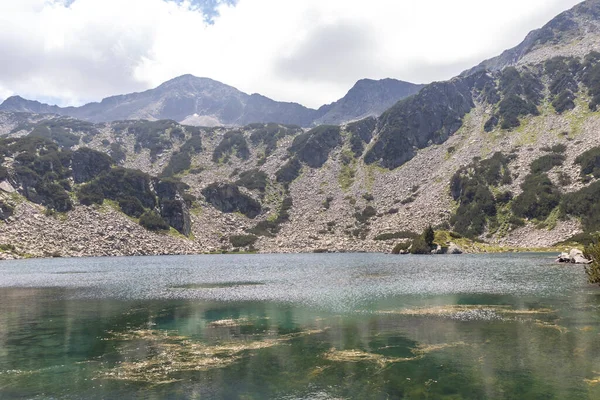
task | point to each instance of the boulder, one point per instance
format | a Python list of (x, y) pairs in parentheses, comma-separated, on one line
[(575, 256)]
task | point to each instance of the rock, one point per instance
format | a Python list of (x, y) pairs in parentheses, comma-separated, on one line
[(228, 199), (575, 256), (563, 258), (454, 249), (5, 186), (580, 259), (439, 250)]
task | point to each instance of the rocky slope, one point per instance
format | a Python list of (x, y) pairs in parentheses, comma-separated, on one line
[(510, 156), (205, 102)]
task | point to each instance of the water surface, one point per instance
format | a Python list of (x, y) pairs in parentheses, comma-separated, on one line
[(351, 326)]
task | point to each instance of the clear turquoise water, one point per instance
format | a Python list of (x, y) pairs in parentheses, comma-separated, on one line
[(351, 326)]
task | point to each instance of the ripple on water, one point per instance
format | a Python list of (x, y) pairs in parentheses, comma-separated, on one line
[(338, 282)]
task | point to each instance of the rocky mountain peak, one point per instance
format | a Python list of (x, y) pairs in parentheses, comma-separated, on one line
[(573, 33), (367, 98), (19, 104)]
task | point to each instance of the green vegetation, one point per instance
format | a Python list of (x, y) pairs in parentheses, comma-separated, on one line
[(538, 199), (419, 244), (513, 107), (584, 204), (521, 93), (471, 187), (289, 171), (557, 148), (60, 130), (592, 252), (182, 160), (361, 133), (153, 222), (242, 240), (119, 184), (131, 206), (396, 235), (152, 135), (179, 162), (232, 142), (365, 215), (88, 164), (347, 173), (590, 162), (420, 120), (41, 169), (546, 163), (117, 153), (6, 210), (429, 236), (134, 193), (272, 227), (591, 78), (565, 101), (270, 134), (563, 85), (253, 179), (327, 202)]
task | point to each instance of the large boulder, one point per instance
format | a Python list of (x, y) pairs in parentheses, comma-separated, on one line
[(575, 256), (177, 215)]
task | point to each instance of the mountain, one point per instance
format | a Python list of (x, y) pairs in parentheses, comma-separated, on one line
[(205, 102), (368, 98), (19, 104), (572, 33), (501, 157)]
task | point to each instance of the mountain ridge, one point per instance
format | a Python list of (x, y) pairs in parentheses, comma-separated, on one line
[(196, 100)]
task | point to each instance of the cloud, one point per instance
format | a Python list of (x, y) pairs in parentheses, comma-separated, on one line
[(309, 51), (335, 52)]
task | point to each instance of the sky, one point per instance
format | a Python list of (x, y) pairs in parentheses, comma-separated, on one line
[(70, 52)]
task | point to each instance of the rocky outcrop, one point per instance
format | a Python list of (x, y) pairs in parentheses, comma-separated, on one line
[(568, 26), (575, 256), (429, 117), (228, 199)]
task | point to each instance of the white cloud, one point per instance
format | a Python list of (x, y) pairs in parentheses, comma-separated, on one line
[(310, 51)]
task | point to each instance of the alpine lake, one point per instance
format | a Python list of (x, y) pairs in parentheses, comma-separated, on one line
[(318, 326)]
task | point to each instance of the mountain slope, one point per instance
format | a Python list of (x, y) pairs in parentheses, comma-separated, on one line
[(574, 32), (205, 102)]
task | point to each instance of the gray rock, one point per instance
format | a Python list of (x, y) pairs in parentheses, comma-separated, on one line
[(575, 256), (454, 249)]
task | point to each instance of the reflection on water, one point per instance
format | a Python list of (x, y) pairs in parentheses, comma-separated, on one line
[(348, 327)]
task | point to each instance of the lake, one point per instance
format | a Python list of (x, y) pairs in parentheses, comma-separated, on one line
[(329, 326)]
